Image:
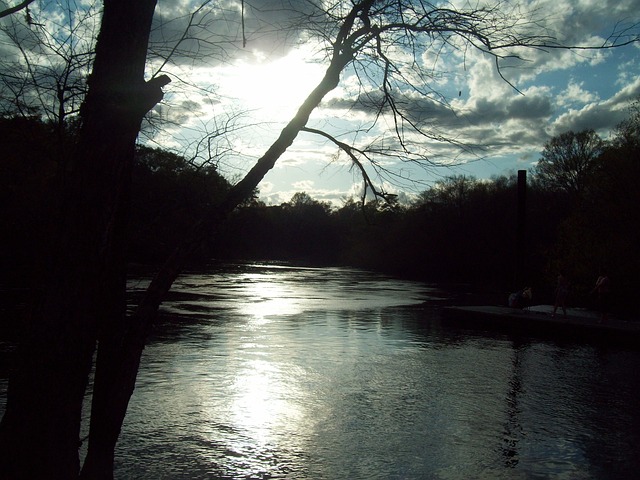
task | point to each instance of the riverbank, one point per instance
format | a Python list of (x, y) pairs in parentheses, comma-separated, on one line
[(538, 319)]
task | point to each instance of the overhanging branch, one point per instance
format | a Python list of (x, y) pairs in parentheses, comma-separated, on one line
[(11, 10), (353, 152)]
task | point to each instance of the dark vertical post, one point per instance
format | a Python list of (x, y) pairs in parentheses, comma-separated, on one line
[(521, 230)]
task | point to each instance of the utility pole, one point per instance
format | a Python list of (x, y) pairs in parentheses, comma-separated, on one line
[(520, 267)]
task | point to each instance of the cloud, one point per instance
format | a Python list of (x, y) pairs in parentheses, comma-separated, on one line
[(333, 196), (304, 185), (266, 188), (509, 129), (627, 93), (551, 90), (488, 98), (218, 33), (575, 23), (487, 110), (545, 93), (576, 94), (600, 116)]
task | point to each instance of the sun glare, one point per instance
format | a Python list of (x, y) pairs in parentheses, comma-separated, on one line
[(276, 88), (267, 299)]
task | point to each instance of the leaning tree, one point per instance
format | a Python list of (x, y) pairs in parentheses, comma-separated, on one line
[(380, 41)]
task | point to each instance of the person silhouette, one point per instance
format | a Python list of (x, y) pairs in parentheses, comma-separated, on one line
[(562, 292), (603, 289)]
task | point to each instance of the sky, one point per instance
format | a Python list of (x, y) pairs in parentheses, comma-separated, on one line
[(495, 125)]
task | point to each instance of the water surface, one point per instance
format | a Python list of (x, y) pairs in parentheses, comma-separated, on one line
[(268, 371)]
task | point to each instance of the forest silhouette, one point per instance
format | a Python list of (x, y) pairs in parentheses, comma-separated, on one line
[(461, 230)]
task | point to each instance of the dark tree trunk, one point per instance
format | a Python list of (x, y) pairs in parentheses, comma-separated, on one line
[(39, 433)]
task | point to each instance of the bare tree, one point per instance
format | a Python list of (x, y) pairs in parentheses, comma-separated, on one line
[(568, 160), (380, 40), (627, 133), (48, 59), (39, 433)]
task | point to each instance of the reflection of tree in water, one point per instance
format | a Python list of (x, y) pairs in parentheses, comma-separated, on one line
[(513, 429), (612, 429)]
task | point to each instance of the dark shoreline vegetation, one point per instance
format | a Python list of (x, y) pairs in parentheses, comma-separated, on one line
[(582, 215)]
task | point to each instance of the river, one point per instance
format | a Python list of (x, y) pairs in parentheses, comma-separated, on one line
[(270, 371)]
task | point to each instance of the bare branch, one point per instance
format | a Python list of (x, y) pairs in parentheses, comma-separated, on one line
[(11, 10), (352, 153)]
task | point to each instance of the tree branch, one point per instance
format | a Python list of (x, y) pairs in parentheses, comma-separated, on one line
[(351, 152), (11, 10)]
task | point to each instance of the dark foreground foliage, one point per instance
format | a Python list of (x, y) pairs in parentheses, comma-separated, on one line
[(168, 195)]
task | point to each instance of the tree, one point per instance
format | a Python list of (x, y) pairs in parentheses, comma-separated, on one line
[(306, 231), (168, 195), (48, 62), (85, 299), (467, 230), (86, 290), (567, 161), (627, 134), (29, 182), (604, 231)]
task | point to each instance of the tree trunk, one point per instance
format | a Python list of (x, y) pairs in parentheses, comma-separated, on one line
[(39, 433)]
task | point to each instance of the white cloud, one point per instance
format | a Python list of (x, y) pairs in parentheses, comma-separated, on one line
[(266, 188), (304, 185), (600, 116), (575, 93)]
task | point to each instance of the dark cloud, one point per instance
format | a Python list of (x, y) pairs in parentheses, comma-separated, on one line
[(608, 18), (419, 109), (486, 110), (217, 33), (483, 110), (529, 107), (502, 109)]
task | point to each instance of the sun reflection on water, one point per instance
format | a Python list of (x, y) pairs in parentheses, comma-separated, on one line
[(266, 298), (254, 407), (262, 409)]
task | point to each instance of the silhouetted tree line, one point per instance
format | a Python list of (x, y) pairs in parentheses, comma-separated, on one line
[(168, 195), (582, 216), (461, 230)]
